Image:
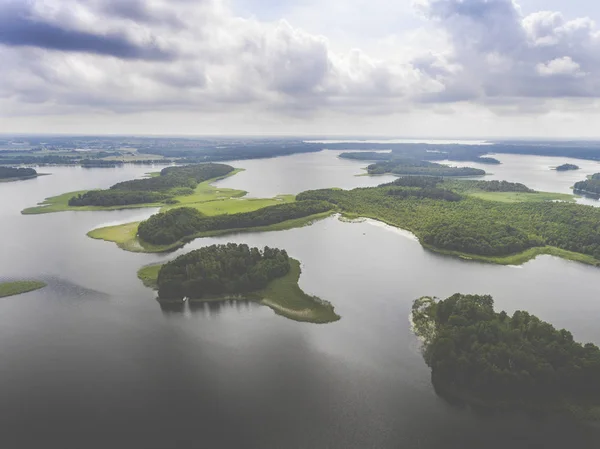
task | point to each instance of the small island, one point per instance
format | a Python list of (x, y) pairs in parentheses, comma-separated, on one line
[(238, 272), (8, 174), (567, 167), (18, 287), (493, 361)]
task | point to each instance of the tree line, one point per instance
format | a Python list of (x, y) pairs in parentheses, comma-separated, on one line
[(13, 172), (220, 270), (173, 181), (488, 359), (174, 225)]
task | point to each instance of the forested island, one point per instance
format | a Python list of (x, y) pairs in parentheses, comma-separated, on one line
[(16, 174), (176, 226), (420, 154), (172, 182), (232, 271), (511, 229), (494, 361), (589, 187), (423, 168), (13, 288), (567, 167)]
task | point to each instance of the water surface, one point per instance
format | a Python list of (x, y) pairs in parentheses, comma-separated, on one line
[(92, 361)]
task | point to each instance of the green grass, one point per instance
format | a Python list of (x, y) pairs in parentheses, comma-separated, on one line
[(125, 235), (18, 287), (149, 275), (522, 197), (282, 295)]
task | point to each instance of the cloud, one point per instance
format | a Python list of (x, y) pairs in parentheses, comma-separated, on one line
[(127, 56), (560, 67), (504, 55), (20, 27)]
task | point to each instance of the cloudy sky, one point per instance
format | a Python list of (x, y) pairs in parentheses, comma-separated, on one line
[(434, 68)]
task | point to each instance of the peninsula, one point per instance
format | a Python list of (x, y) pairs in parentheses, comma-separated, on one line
[(13, 288), (236, 272), (589, 187), (494, 361), (8, 174)]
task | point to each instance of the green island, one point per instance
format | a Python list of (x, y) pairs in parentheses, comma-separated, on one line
[(172, 186), (493, 361), (567, 167), (482, 225), (18, 287), (238, 272), (421, 168), (9, 174), (589, 187)]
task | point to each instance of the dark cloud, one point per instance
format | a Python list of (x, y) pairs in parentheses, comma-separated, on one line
[(19, 28), (139, 11)]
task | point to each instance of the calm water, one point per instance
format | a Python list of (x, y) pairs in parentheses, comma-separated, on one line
[(536, 172), (93, 362)]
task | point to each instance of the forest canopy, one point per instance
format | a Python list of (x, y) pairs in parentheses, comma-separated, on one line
[(472, 226), (172, 181), (11, 172), (221, 269), (408, 167), (488, 359)]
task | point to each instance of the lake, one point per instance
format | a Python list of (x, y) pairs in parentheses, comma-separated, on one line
[(92, 361)]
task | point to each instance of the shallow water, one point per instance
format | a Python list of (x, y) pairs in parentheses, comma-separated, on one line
[(93, 361)]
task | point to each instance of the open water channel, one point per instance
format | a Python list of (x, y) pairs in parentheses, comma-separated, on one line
[(92, 361)]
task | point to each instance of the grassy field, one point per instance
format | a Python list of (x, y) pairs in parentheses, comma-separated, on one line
[(522, 197), (125, 235), (18, 287), (282, 295)]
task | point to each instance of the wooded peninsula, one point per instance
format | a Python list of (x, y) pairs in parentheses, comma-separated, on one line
[(16, 174), (494, 361)]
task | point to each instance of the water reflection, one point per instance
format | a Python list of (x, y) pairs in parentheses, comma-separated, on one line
[(207, 308)]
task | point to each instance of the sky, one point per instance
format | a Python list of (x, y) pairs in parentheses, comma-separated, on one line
[(403, 68)]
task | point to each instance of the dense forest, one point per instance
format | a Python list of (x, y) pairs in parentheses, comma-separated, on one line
[(589, 186), (169, 227), (472, 225), (567, 167), (465, 185), (488, 359), (10, 172), (99, 163), (221, 269), (408, 167), (423, 152), (472, 153), (173, 181)]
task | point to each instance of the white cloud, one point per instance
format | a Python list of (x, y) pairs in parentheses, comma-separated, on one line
[(198, 57), (560, 66)]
